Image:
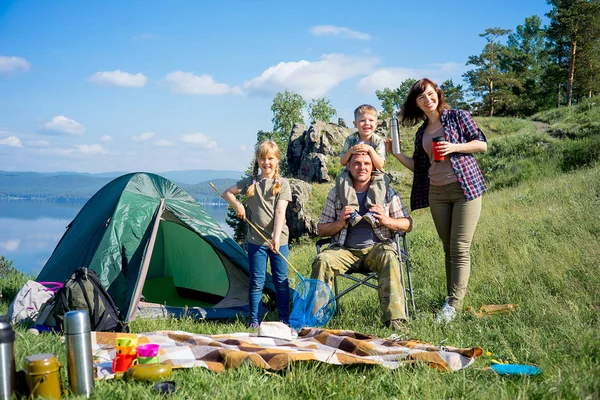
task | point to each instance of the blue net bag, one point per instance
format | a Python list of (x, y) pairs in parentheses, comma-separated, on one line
[(314, 304)]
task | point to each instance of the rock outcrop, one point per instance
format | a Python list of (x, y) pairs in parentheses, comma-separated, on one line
[(299, 221), (309, 149)]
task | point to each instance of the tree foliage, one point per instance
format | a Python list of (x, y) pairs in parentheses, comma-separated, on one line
[(287, 110), (573, 35), (392, 100), (487, 78), (454, 95), (321, 110)]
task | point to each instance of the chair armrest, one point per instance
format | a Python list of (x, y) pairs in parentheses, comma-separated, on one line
[(322, 242)]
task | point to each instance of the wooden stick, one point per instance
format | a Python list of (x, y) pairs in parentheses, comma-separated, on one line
[(261, 235)]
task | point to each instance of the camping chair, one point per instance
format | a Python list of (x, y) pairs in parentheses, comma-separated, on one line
[(368, 275)]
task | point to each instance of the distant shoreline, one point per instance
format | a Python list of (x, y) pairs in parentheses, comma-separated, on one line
[(83, 201)]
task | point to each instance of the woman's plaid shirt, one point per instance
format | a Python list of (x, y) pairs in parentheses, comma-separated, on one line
[(459, 127), (333, 207)]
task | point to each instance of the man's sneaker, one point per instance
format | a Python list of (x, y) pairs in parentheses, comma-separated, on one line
[(355, 218), (397, 325), (446, 314), (370, 217), (253, 326)]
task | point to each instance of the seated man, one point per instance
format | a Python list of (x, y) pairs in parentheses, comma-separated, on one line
[(364, 246)]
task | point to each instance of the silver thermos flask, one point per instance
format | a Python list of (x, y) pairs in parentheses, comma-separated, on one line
[(395, 136), (7, 359), (80, 362)]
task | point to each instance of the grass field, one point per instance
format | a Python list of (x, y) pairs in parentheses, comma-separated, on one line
[(537, 245)]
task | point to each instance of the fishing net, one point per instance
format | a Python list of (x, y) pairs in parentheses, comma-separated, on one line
[(314, 304)]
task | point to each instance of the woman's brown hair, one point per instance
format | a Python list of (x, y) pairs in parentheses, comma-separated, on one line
[(411, 114)]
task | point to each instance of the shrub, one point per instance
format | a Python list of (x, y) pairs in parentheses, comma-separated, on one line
[(502, 126), (580, 153), (12, 280), (513, 159)]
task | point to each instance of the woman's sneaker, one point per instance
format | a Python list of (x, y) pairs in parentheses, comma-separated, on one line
[(446, 314), (254, 326)]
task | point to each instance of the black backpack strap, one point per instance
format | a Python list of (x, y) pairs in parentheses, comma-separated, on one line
[(110, 319)]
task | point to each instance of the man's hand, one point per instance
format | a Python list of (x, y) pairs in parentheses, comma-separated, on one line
[(379, 213), (345, 214)]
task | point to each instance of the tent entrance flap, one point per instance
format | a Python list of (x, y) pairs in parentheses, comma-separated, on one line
[(184, 270)]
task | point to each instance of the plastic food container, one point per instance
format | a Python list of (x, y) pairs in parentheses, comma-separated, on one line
[(148, 372)]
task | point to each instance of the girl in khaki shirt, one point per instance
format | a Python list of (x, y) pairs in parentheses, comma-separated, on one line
[(267, 198)]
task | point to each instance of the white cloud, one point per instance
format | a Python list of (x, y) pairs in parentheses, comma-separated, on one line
[(12, 141), (310, 79), (10, 64), (76, 150), (321, 30), (91, 149), (200, 139), (163, 143), (106, 138), (119, 78), (187, 82), (63, 124), (38, 143), (244, 147), (393, 77), (143, 137), (10, 245)]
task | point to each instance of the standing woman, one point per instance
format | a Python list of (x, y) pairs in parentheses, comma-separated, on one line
[(451, 187), (268, 195)]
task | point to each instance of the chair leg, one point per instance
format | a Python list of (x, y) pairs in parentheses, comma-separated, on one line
[(335, 291), (408, 277)]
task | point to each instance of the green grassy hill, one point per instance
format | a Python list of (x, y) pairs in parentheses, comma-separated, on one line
[(536, 246)]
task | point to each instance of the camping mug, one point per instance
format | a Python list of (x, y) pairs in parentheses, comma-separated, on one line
[(42, 374), (437, 156), (127, 341), (146, 360), (148, 350), (122, 362)]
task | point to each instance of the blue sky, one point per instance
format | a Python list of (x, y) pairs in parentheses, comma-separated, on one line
[(97, 86)]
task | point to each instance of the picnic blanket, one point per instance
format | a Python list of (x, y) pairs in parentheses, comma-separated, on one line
[(341, 347)]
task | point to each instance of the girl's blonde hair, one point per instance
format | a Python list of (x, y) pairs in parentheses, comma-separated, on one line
[(263, 149)]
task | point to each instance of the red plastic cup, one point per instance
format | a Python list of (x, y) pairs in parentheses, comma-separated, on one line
[(437, 155), (121, 363)]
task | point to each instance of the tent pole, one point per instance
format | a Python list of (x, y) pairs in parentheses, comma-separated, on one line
[(145, 265)]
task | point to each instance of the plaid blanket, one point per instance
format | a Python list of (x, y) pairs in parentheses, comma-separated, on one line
[(220, 352)]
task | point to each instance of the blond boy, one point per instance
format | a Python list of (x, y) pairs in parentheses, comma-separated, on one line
[(363, 141)]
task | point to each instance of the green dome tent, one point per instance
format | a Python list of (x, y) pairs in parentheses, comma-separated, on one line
[(144, 235)]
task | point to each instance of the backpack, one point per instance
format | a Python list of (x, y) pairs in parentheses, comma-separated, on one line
[(84, 291), (28, 302)]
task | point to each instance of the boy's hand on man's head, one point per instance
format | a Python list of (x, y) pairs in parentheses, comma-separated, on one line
[(360, 148)]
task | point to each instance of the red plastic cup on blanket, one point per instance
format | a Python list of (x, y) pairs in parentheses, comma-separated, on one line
[(122, 362), (435, 143)]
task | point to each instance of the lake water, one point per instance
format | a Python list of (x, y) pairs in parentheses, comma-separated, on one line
[(30, 230)]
